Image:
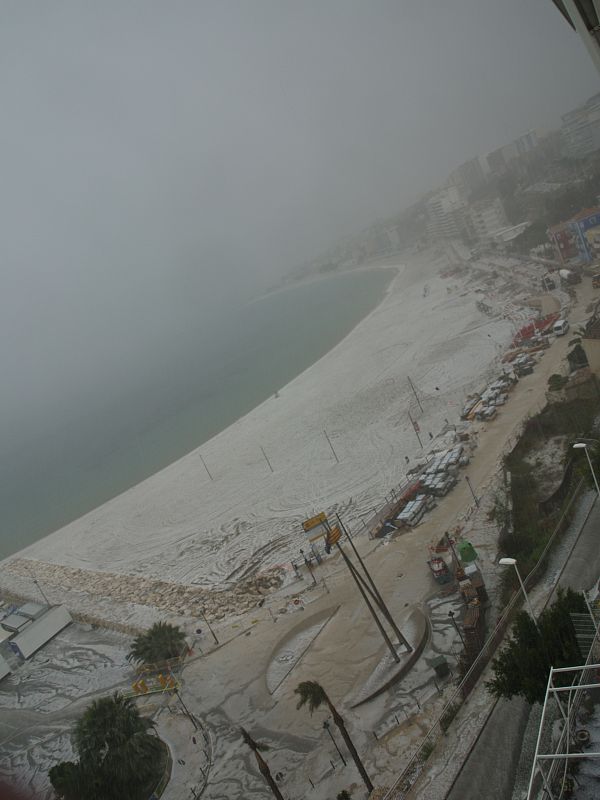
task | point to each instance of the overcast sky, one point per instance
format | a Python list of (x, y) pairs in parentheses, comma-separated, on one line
[(160, 157)]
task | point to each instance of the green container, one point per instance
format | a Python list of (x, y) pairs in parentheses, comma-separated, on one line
[(466, 552)]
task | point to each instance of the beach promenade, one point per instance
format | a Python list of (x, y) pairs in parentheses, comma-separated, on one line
[(229, 685)]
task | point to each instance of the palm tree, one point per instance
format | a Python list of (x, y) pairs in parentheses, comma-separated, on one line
[(118, 755), (313, 694), (161, 642), (262, 764)]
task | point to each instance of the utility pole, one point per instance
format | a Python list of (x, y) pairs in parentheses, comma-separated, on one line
[(330, 445), (307, 562), (451, 615), (475, 498), (414, 392), (415, 425), (382, 631), (187, 711), (205, 467), (40, 590), (266, 459), (374, 591), (214, 635)]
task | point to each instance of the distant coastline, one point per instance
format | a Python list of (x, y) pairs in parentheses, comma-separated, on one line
[(238, 379), (389, 262)]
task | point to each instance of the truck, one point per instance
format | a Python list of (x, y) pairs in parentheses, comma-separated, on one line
[(548, 283), (568, 277)]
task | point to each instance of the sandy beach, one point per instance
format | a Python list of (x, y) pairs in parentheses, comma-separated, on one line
[(181, 526), (359, 393)]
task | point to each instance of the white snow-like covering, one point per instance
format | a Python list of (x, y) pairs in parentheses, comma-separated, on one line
[(180, 525)]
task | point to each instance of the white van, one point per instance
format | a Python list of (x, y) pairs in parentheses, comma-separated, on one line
[(561, 326)]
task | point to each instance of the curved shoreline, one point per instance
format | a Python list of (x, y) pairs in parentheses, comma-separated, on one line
[(186, 527), (102, 498)]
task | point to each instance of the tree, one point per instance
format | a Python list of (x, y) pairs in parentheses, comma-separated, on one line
[(262, 764), (70, 781), (522, 666), (161, 642), (312, 694), (556, 382), (118, 756)]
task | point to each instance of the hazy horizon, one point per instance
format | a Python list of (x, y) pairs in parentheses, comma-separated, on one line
[(163, 163)]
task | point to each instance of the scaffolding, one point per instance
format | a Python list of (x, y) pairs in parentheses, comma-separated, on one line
[(552, 774)]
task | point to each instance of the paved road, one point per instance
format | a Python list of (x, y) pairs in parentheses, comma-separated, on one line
[(490, 769)]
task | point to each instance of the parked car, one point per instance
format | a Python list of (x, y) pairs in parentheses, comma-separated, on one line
[(560, 327)]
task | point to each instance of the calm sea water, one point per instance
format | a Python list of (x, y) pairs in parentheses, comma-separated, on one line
[(218, 376)]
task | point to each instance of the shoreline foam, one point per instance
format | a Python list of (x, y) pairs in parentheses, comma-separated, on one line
[(180, 526)]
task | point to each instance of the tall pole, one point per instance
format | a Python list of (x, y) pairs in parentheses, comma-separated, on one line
[(186, 709), (414, 425), (214, 635), (472, 491), (328, 729), (265, 455), (451, 546), (382, 631), (40, 590), (592, 470), (527, 600), (205, 467), (307, 562), (330, 445), (378, 598), (451, 615), (414, 392)]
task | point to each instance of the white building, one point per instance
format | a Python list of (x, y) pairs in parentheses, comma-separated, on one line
[(447, 214), (487, 217)]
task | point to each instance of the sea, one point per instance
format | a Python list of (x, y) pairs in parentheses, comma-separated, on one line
[(249, 352)]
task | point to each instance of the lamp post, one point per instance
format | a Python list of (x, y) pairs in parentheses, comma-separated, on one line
[(41, 591), (214, 635), (451, 615), (307, 562), (512, 562), (472, 491), (326, 726), (583, 446)]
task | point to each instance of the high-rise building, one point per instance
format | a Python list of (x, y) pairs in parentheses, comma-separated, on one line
[(584, 17), (468, 177), (581, 129), (498, 160), (447, 214), (526, 143), (487, 218)]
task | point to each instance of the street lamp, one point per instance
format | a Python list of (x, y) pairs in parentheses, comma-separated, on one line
[(583, 446), (512, 562), (451, 615), (472, 491)]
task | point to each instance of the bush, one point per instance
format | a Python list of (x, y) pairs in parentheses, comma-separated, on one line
[(448, 716), (556, 382)]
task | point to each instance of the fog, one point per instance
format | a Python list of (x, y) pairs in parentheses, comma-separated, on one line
[(163, 162)]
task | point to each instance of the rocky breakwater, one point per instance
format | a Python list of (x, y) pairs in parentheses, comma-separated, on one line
[(175, 598)]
